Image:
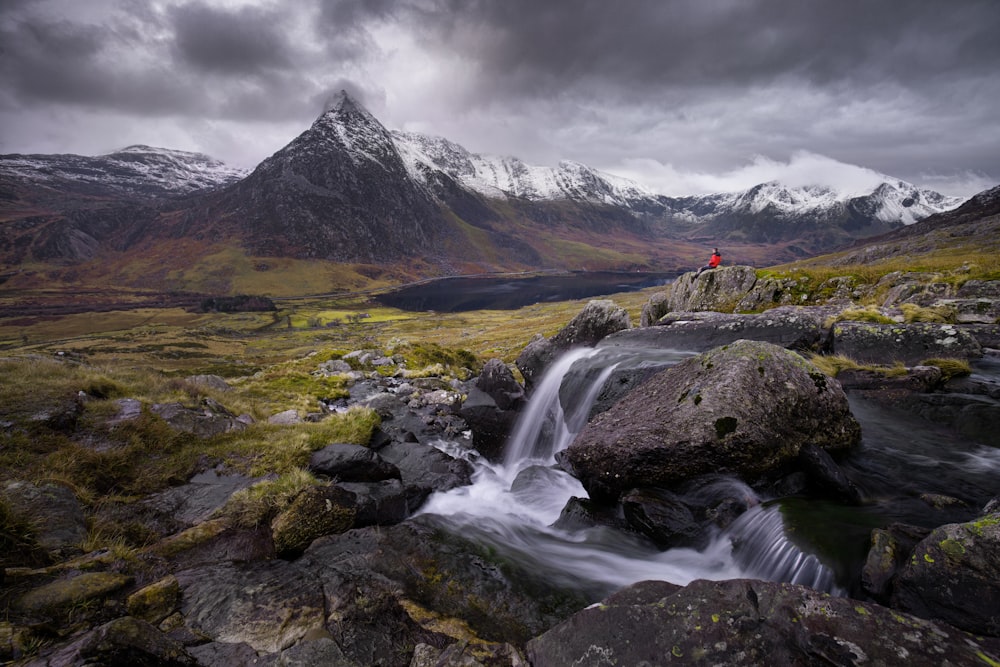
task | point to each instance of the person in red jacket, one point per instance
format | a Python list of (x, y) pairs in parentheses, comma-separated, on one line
[(713, 261)]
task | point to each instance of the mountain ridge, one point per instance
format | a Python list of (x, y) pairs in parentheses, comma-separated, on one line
[(349, 191)]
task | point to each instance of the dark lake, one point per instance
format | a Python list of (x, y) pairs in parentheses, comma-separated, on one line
[(452, 295)]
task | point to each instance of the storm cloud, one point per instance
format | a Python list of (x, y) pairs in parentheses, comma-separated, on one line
[(683, 95)]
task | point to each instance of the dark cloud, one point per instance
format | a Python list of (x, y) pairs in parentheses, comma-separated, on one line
[(905, 87), (240, 41)]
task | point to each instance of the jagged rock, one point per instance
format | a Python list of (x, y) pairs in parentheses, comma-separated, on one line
[(790, 327), (316, 511), (599, 318), (867, 342), (53, 511), (155, 602), (744, 409), (743, 622), (497, 381), (954, 576), (269, 605), (718, 290), (352, 463), (123, 641), (425, 469)]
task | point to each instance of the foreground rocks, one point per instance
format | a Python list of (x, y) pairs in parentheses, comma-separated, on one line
[(747, 622), (744, 409)]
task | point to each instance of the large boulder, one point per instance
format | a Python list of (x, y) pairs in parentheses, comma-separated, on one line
[(954, 576), (742, 622), (787, 326), (745, 409), (317, 511), (720, 289), (598, 319)]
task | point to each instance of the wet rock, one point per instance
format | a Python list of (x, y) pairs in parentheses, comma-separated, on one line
[(662, 517), (975, 417), (745, 409), (916, 378), (582, 513), (378, 503), (425, 469), (53, 511), (351, 463), (598, 319), (826, 478), (792, 328), (744, 622), (227, 653), (268, 605), (909, 343), (123, 641), (890, 550), (490, 424), (454, 575), (316, 511), (954, 576)]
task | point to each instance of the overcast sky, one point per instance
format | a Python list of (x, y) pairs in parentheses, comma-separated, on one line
[(686, 96)]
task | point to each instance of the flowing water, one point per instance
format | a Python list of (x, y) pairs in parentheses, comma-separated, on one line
[(511, 507)]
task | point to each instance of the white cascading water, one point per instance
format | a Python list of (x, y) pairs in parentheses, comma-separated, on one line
[(512, 506)]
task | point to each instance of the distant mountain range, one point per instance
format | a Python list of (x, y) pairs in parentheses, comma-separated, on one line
[(350, 191)]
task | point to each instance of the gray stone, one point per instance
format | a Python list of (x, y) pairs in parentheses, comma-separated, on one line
[(743, 622), (268, 605), (717, 290), (351, 463), (214, 382), (744, 409), (867, 342), (790, 327), (285, 418), (954, 576)]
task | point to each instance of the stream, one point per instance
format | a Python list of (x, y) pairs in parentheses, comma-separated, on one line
[(511, 507)]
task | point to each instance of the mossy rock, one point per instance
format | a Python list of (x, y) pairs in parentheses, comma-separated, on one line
[(66, 593), (156, 601), (317, 511)]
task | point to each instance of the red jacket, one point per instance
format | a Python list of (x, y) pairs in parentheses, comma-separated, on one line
[(715, 260)]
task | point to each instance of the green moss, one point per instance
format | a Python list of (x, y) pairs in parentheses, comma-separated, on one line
[(724, 426), (952, 548)]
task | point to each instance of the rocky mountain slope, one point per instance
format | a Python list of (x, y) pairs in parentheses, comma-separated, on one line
[(349, 191)]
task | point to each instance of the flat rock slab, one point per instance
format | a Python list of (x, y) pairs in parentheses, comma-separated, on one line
[(911, 344), (268, 605)]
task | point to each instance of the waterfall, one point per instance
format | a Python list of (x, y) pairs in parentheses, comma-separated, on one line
[(512, 506)]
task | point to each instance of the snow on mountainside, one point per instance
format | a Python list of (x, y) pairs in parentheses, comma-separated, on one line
[(495, 176), (135, 171), (893, 201)]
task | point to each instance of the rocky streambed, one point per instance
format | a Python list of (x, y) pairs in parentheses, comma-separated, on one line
[(654, 494)]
